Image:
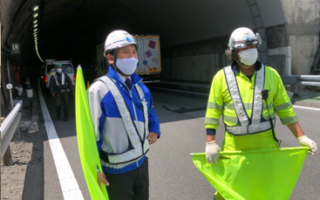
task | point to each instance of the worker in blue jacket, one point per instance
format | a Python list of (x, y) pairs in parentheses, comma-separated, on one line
[(124, 121)]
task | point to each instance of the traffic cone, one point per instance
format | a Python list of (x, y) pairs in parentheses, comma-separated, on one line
[(88, 85)]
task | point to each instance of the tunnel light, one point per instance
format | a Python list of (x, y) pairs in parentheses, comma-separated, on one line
[(35, 15), (35, 25), (35, 8), (35, 21), (35, 30), (37, 50)]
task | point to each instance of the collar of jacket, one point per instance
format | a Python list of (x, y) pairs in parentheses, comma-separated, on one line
[(134, 77), (235, 67)]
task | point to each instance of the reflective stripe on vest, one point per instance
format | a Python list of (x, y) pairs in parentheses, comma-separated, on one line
[(247, 127), (145, 110), (62, 79), (137, 150)]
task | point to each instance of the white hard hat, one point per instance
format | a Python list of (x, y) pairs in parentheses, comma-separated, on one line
[(118, 39), (243, 37)]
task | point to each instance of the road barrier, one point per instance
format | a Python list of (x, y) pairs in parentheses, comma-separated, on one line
[(296, 80), (8, 127)]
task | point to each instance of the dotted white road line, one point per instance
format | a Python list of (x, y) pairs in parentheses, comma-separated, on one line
[(308, 108), (68, 183)]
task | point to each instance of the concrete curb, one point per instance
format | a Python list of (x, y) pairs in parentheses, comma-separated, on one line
[(33, 127), (306, 103), (311, 100)]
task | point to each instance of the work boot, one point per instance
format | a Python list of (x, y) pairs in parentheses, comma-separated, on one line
[(58, 115), (66, 118)]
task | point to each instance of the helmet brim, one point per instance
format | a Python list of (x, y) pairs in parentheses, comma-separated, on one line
[(245, 44), (120, 46)]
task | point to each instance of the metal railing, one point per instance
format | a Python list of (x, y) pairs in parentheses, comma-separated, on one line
[(9, 126), (296, 80)]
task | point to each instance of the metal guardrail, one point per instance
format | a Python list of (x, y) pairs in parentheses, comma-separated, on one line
[(301, 80), (9, 126), (153, 81), (296, 80)]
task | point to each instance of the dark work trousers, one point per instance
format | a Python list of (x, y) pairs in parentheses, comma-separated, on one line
[(133, 185), (62, 99)]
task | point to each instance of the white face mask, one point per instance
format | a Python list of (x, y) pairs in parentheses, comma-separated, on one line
[(248, 57), (127, 66), (59, 70)]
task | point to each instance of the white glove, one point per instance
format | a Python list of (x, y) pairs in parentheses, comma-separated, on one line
[(305, 141), (212, 152)]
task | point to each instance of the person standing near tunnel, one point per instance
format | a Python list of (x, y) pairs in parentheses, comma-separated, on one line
[(124, 121), (60, 85), (246, 94)]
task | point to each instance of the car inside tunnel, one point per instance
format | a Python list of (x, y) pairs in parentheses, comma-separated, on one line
[(193, 34)]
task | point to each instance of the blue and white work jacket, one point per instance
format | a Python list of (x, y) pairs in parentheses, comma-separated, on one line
[(121, 147)]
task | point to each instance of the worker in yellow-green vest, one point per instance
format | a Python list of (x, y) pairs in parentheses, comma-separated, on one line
[(246, 94)]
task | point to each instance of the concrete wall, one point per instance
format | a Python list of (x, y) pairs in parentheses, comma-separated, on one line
[(199, 68), (303, 27), (196, 68), (268, 20), (304, 49), (292, 37), (195, 62)]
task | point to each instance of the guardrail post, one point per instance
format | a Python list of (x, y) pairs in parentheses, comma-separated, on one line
[(295, 91), (9, 127), (7, 158), (296, 80), (18, 131)]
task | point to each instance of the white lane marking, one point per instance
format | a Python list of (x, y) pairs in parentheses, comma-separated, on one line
[(309, 108), (68, 183)]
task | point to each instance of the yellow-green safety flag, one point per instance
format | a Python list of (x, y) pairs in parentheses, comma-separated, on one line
[(86, 141), (253, 174)]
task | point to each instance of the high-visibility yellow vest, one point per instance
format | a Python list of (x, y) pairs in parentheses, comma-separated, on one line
[(222, 103)]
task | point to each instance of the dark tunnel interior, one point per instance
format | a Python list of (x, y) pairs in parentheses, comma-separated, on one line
[(71, 30)]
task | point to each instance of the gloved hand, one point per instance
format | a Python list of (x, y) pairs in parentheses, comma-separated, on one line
[(305, 141), (212, 152), (53, 95)]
